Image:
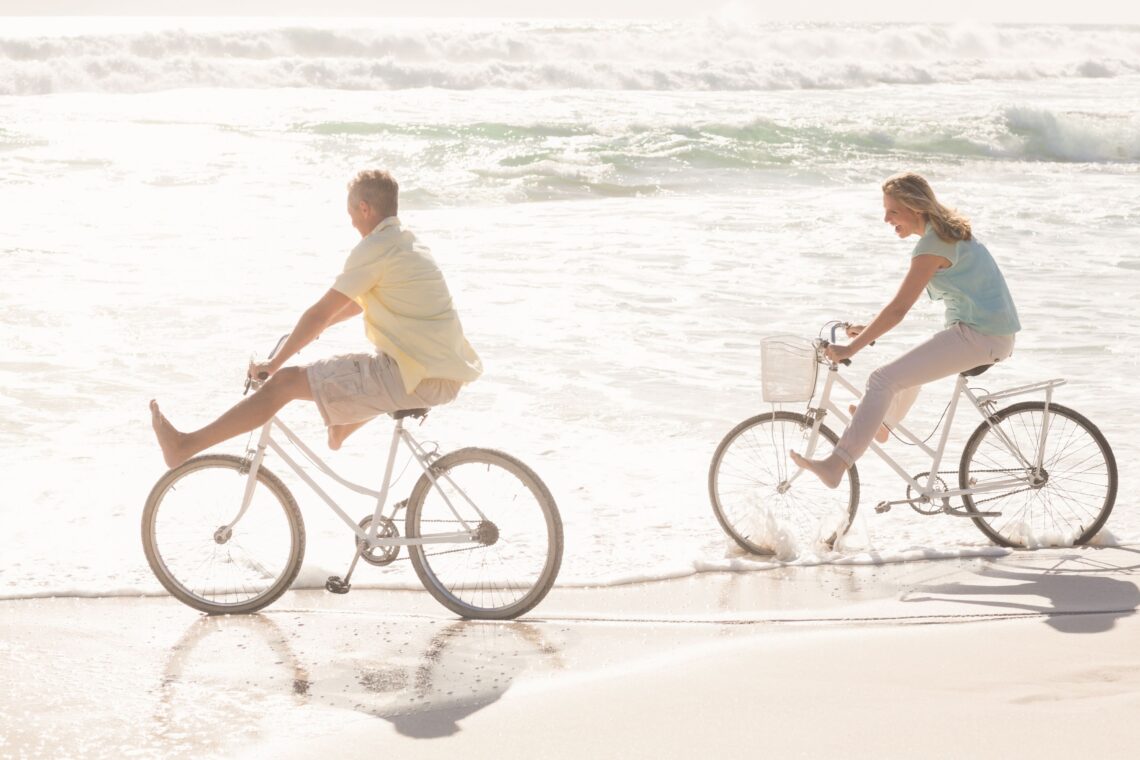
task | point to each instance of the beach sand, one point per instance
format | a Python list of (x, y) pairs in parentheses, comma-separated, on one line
[(1032, 654)]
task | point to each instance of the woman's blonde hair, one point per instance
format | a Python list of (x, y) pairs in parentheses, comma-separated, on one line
[(914, 192)]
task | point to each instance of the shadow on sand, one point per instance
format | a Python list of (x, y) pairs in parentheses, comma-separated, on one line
[(1076, 593)]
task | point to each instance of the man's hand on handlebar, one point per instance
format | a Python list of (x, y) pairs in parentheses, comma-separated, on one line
[(259, 371), (257, 374), (853, 330)]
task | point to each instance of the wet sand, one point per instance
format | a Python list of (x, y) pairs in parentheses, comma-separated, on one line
[(1030, 654)]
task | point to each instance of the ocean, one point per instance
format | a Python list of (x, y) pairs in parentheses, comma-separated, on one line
[(622, 210)]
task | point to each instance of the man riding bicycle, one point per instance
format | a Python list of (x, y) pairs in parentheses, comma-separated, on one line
[(421, 357)]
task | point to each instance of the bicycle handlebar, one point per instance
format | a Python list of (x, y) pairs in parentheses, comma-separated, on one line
[(835, 326), (263, 376)]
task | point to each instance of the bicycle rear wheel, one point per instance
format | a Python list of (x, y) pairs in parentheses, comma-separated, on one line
[(203, 564), (1066, 503), (515, 557), (751, 497)]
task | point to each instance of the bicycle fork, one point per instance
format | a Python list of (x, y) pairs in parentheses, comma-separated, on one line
[(224, 533), (815, 415)]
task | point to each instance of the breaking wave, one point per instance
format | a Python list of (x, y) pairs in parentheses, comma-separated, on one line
[(532, 55), (573, 153)]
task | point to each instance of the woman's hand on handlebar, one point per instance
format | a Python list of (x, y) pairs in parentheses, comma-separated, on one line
[(837, 353), (853, 330)]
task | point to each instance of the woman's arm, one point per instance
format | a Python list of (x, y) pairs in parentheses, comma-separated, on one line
[(922, 269)]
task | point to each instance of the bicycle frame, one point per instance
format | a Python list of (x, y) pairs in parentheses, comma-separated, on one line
[(368, 538), (984, 406)]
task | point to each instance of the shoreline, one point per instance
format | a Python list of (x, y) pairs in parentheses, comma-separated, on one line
[(312, 576)]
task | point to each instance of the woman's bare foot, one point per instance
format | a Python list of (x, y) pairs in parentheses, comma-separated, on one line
[(171, 441), (882, 434), (829, 471), (337, 433)]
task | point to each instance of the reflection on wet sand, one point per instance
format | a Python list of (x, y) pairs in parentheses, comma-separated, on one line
[(230, 678), (222, 678)]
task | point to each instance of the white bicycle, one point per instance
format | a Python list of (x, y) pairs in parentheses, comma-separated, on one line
[(1033, 473), (224, 535)]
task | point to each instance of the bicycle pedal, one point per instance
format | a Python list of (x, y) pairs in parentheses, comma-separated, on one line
[(882, 506), (336, 585)]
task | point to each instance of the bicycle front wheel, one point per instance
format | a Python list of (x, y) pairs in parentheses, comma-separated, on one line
[(514, 557), (201, 558), (1064, 503), (753, 499)]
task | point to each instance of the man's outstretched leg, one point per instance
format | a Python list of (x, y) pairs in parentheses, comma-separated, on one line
[(288, 384)]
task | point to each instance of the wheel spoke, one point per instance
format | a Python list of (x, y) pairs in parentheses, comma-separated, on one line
[(257, 563), (745, 477), (1079, 489), (513, 570)]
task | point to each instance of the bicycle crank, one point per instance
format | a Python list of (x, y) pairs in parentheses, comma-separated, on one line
[(339, 585)]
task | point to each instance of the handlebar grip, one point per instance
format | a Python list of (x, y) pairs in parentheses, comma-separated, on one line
[(845, 362)]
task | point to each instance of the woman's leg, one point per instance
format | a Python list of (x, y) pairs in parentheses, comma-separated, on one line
[(900, 405), (953, 350)]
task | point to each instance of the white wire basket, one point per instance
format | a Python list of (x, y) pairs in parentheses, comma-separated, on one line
[(787, 368)]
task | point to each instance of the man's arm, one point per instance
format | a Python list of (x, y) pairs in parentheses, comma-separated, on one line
[(333, 307), (350, 310)]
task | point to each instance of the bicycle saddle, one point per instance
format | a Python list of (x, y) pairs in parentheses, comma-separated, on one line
[(976, 370), (402, 413)]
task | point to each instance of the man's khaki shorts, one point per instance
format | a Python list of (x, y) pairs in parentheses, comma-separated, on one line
[(357, 387)]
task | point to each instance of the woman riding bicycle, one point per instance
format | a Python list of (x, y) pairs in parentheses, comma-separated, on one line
[(952, 266)]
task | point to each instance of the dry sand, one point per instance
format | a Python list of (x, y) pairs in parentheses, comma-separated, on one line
[(1035, 654)]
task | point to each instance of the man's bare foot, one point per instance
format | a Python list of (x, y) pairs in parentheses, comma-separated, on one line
[(882, 434), (829, 471), (337, 433), (169, 439)]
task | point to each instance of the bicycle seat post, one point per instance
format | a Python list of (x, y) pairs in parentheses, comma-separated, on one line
[(382, 498)]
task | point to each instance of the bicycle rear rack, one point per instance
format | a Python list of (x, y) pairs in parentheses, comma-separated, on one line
[(1046, 385)]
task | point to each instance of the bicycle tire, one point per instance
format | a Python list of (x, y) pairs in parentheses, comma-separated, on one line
[(190, 503), (1077, 495), (744, 477), (516, 566)]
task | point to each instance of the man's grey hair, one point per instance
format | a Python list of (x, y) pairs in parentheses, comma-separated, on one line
[(378, 189)]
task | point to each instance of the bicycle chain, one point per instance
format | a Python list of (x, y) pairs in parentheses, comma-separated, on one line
[(992, 498), (441, 553)]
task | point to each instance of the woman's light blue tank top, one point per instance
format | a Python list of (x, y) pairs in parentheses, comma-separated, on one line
[(972, 286)]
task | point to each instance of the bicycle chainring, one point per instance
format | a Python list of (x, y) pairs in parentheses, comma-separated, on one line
[(933, 507), (379, 555)]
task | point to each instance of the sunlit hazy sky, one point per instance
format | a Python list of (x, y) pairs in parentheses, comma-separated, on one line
[(997, 11)]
